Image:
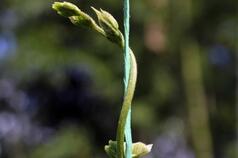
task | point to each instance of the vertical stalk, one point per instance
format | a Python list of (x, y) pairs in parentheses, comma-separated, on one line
[(236, 102), (198, 118), (127, 130), (236, 51)]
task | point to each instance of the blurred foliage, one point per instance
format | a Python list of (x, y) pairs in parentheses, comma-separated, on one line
[(68, 142), (61, 86)]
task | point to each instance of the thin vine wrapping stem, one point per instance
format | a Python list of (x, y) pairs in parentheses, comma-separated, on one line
[(127, 128), (126, 105), (126, 40)]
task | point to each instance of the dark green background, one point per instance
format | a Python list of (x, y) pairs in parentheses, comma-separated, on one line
[(61, 86)]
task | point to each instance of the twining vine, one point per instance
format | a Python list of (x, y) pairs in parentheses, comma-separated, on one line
[(108, 27)]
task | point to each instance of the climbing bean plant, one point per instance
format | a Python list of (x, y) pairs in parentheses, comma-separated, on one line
[(108, 27)]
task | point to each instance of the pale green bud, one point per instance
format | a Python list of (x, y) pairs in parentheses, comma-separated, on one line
[(105, 18), (82, 21), (140, 149), (111, 149), (110, 26), (66, 9), (75, 15)]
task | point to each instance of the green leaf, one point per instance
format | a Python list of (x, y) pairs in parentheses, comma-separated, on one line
[(139, 149)]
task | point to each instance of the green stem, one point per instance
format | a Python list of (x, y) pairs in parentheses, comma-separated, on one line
[(126, 105)]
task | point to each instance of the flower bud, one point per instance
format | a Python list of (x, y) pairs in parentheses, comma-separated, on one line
[(111, 149), (75, 15), (140, 149), (110, 26), (106, 18), (66, 9)]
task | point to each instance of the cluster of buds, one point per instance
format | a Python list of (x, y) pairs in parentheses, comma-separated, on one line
[(107, 27)]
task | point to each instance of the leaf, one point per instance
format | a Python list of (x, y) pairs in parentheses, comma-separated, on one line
[(139, 149)]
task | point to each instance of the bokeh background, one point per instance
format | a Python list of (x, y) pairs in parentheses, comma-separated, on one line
[(61, 86)]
